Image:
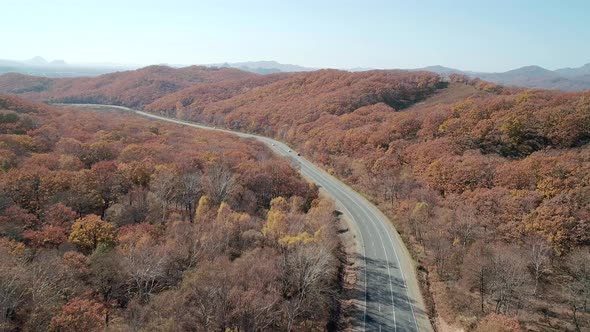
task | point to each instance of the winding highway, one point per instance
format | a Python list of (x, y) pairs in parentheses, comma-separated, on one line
[(388, 296)]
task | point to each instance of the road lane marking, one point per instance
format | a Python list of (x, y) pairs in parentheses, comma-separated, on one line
[(380, 224), (352, 200), (403, 278), (344, 190)]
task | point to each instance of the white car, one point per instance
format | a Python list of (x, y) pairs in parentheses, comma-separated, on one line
[(289, 150)]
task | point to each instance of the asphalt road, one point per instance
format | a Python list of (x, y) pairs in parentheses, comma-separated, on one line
[(388, 294)]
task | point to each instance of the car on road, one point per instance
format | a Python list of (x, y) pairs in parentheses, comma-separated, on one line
[(289, 150)]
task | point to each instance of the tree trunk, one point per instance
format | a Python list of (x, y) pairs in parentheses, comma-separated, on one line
[(164, 208), (576, 323), (481, 290)]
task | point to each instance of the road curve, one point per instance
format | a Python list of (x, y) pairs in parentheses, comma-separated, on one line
[(389, 296)]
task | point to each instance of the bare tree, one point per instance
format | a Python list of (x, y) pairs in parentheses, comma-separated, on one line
[(47, 288), (464, 226), (219, 182), (387, 186), (578, 267), (477, 270), (13, 285), (441, 249), (187, 245), (509, 277), (164, 186), (306, 277), (133, 208), (144, 263), (206, 296), (189, 191), (538, 254), (390, 184), (497, 272), (421, 215)]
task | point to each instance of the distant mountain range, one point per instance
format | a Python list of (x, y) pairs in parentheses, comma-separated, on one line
[(273, 67), (38, 66), (39, 61), (567, 79), (263, 67)]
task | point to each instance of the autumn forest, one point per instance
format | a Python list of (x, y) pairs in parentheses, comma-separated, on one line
[(109, 220)]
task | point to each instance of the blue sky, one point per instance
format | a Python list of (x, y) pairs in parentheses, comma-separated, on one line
[(472, 35)]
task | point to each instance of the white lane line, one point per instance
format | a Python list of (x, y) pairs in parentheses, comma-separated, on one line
[(364, 253), (404, 280), (388, 275), (386, 229), (337, 187), (381, 225)]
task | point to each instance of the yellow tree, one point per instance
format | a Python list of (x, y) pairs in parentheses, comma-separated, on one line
[(301, 238), (224, 213), (90, 231), (276, 220), (228, 217), (204, 209)]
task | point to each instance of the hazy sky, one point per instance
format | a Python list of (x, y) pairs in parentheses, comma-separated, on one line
[(473, 35)]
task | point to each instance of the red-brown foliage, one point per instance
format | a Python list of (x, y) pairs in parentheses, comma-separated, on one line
[(132, 88), (488, 163), (156, 211), (515, 161)]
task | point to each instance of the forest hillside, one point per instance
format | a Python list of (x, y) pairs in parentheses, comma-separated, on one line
[(489, 186)]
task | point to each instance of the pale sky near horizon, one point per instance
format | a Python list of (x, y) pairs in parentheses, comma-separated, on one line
[(469, 35)]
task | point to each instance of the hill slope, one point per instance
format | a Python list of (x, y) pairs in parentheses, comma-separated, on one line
[(476, 176), (196, 97), (471, 172), (131, 88), (306, 97)]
